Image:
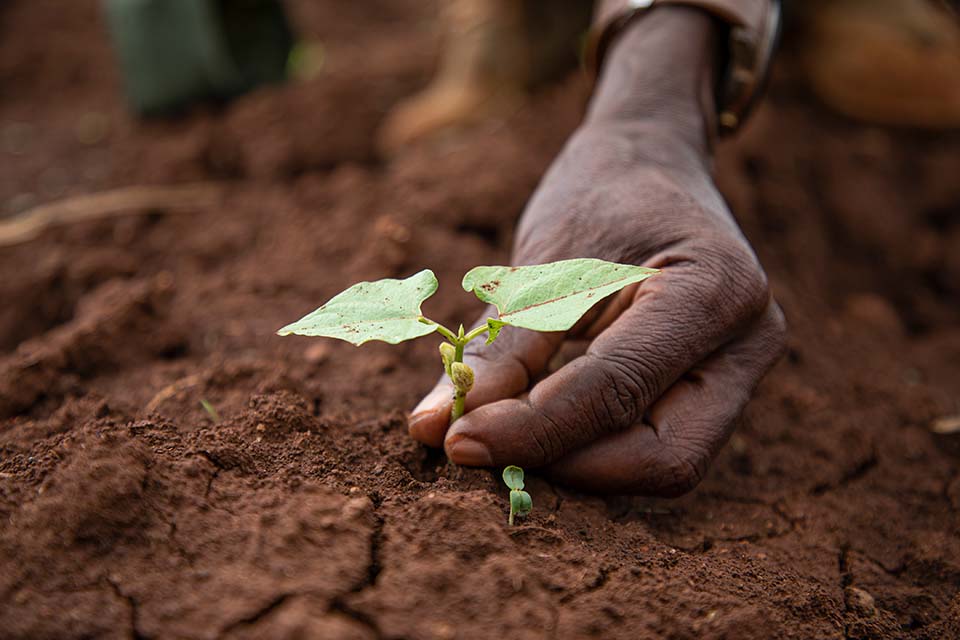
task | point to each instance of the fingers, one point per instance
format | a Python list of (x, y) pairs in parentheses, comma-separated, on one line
[(675, 320), (668, 453), (505, 368), (501, 370)]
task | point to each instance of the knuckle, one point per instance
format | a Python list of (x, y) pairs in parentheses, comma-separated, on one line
[(627, 384), (545, 439), (778, 331), (771, 336), (778, 321), (682, 470), (733, 280), (747, 282)]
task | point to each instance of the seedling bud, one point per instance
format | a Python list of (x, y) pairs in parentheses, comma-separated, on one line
[(520, 501), (462, 376), (447, 353)]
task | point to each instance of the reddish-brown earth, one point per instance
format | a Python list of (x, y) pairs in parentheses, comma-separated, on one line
[(306, 511)]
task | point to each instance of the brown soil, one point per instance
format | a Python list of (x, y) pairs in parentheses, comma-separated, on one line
[(306, 511)]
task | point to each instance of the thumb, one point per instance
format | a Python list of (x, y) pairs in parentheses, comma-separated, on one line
[(502, 370)]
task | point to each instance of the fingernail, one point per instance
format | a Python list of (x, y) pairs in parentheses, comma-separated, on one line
[(469, 453), (426, 411), (418, 428)]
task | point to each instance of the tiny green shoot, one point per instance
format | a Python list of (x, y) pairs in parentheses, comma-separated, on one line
[(520, 501), (210, 409), (545, 297)]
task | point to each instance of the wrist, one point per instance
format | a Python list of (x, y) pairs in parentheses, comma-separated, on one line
[(659, 74)]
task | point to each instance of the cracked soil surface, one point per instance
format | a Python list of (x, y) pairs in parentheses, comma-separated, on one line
[(305, 511)]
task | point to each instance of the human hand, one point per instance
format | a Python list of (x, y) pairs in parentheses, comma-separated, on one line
[(672, 362)]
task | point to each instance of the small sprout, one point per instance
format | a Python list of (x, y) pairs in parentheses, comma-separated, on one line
[(210, 409), (462, 377), (447, 354), (545, 297), (520, 501)]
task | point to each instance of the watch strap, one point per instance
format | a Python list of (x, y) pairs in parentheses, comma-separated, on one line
[(753, 29), (741, 13)]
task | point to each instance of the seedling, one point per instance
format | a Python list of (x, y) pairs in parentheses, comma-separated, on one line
[(520, 501), (210, 409), (546, 297)]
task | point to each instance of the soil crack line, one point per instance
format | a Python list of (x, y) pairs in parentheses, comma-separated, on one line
[(376, 541), (846, 578), (369, 580), (217, 468), (133, 606), (213, 477), (171, 525), (259, 614), (780, 510), (858, 472), (603, 576), (340, 606)]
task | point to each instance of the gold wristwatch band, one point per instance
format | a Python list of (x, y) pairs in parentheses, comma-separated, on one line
[(753, 28)]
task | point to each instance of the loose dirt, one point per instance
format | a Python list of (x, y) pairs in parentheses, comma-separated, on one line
[(306, 511)]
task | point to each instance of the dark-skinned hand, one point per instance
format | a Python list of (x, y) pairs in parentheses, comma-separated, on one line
[(671, 362)]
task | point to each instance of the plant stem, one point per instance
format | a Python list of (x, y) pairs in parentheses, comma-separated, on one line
[(459, 340), (510, 519), (459, 397), (442, 330), (479, 331)]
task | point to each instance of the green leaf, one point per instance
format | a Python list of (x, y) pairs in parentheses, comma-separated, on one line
[(493, 329), (550, 297), (386, 310), (513, 477), (520, 502)]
